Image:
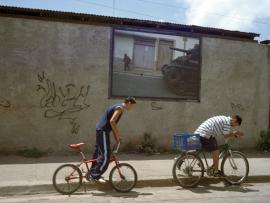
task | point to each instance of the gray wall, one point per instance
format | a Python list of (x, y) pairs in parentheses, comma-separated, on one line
[(54, 86)]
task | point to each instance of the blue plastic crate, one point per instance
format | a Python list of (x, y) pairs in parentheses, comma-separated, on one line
[(186, 141)]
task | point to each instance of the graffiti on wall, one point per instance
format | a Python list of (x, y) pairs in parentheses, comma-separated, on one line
[(4, 103), (156, 106), (63, 102), (237, 107)]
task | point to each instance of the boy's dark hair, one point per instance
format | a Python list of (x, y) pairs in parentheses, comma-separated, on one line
[(238, 118), (132, 100)]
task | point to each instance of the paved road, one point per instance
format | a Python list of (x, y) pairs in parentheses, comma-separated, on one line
[(207, 193), (29, 180)]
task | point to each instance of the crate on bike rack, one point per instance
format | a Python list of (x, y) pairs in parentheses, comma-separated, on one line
[(186, 141)]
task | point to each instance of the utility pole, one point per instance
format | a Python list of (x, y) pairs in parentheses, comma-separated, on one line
[(113, 7)]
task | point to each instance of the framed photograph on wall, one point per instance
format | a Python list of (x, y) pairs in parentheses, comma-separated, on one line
[(149, 64)]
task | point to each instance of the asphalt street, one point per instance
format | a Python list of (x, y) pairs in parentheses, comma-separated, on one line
[(213, 193)]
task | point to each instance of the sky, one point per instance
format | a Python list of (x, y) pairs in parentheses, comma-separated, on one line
[(241, 15)]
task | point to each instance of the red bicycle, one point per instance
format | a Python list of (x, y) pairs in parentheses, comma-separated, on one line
[(67, 178)]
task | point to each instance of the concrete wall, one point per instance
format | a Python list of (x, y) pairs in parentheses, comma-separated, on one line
[(54, 87)]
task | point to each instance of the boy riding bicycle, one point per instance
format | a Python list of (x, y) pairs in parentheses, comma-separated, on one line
[(216, 126), (106, 124)]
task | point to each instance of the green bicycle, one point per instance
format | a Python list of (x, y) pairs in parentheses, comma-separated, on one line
[(188, 168)]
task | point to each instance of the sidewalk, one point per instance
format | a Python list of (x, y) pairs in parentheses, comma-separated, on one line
[(28, 175)]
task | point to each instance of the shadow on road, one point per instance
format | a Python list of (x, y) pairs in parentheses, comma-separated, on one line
[(208, 188), (132, 194)]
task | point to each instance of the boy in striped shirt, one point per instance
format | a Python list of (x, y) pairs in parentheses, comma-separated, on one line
[(217, 126)]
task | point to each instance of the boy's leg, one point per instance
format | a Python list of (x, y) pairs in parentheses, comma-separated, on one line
[(95, 156), (107, 153), (96, 150), (215, 154), (215, 159), (103, 152), (210, 144)]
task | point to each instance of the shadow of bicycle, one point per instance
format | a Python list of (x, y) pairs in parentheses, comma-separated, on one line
[(131, 194), (209, 188)]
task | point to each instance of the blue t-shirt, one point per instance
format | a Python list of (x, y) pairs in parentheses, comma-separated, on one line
[(104, 122)]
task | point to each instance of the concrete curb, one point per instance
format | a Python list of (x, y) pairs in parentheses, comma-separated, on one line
[(165, 182), (258, 179)]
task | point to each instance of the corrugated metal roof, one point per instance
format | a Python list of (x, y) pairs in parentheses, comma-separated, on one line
[(265, 42), (109, 20)]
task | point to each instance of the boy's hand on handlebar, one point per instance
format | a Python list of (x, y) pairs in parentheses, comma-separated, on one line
[(238, 134), (241, 134), (119, 140)]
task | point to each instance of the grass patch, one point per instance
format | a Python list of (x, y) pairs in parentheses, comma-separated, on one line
[(31, 153), (264, 141)]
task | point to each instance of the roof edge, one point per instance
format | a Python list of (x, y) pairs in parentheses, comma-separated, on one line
[(100, 19)]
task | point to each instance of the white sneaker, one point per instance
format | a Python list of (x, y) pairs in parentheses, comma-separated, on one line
[(101, 180)]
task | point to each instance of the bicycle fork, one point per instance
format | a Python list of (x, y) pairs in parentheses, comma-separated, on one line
[(118, 169), (231, 160)]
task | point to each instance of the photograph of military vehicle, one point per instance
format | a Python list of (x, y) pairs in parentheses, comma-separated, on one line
[(155, 65), (182, 74)]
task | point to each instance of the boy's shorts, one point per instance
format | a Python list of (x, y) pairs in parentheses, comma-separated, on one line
[(210, 144)]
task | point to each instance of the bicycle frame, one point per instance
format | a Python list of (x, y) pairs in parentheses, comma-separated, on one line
[(225, 149), (86, 162)]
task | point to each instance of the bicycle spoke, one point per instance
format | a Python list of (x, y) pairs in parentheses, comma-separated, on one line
[(67, 179), (188, 170), (235, 168), (232, 162), (123, 177)]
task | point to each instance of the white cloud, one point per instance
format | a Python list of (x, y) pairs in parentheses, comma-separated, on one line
[(161, 20), (227, 14)]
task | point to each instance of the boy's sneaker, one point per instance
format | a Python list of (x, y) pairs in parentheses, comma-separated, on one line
[(101, 180), (95, 176), (218, 174)]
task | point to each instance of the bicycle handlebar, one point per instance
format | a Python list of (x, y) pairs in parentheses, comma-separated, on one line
[(229, 142)]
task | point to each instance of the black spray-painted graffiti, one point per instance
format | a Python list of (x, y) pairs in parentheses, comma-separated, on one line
[(237, 107), (62, 102), (4, 103), (155, 106)]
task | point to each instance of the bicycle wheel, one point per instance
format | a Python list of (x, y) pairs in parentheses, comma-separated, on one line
[(67, 179), (123, 177), (235, 167), (188, 170)]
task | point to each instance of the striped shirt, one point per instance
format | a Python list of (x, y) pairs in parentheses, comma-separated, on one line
[(215, 126)]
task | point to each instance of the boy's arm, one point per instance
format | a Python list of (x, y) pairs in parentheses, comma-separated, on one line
[(113, 123), (235, 133)]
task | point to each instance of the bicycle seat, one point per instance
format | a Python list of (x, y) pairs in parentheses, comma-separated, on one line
[(76, 146)]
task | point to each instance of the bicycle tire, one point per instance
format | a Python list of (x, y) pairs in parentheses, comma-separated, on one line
[(185, 164), (231, 178), (60, 183), (121, 184)]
